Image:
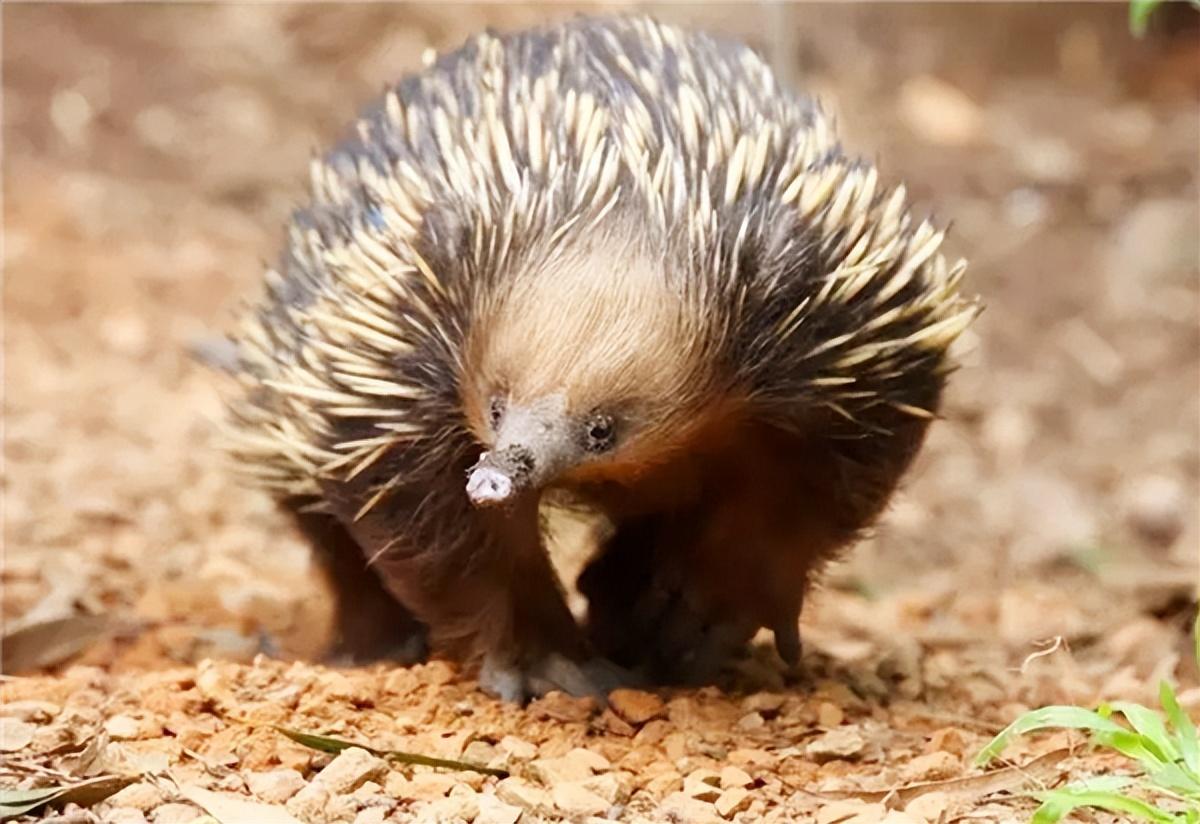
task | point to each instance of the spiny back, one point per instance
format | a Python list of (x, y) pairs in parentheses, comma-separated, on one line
[(807, 284)]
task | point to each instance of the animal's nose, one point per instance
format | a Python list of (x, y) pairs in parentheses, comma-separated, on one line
[(488, 486), (499, 475)]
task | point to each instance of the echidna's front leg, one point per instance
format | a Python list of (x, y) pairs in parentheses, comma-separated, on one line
[(481, 582)]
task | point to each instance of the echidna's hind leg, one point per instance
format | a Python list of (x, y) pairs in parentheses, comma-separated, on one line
[(370, 624)]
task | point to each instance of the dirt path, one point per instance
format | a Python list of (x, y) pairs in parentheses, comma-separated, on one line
[(148, 165)]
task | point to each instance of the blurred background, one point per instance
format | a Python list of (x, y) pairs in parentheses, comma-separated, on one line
[(152, 153)]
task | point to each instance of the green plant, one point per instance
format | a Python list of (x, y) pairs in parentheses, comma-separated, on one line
[(1139, 15), (1164, 787), (1140, 11)]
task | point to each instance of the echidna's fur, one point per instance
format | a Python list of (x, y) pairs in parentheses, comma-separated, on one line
[(809, 292)]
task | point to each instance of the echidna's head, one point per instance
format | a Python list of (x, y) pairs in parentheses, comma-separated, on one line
[(585, 368)]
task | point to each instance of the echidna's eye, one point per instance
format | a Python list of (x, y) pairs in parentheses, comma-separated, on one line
[(600, 433), (495, 412)]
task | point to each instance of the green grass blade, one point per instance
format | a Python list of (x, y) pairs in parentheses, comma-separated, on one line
[(1139, 15), (335, 745), (1105, 783), (1149, 724), (1185, 730), (1054, 717), (1133, 745), (1058, 803)]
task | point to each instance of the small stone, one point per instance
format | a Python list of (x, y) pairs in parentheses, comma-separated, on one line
[(735, 777), (551, 771), (608, 786), (123, 815), (933, 766), (453, 809), (371, 815), (32, 710), (753, 758), (576, 800), (675, 746), (316, 804), (430, 786), (396, 785), (142, 796), (930, 807), (652, 733), (275, 786), (309, 804), (494, 811), (128, 727), (750, 721), (437, 673), (369, 792), (480, 752), (558, 706), (766, 704), (616, 725), (843, 742), (517, 750), (664, 783), (950, 739), (526, 796), (588, 759), (683, 807), (830, 715), (635, 706), (838, 812), (15, 734), (702, 784), (731, 801), (177, 814), (350, 769)]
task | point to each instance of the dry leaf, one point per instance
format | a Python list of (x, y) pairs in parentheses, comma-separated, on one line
[(972, 787), (84, 793), (42, 645)]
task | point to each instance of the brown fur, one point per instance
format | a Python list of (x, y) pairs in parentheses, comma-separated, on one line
[(604, 330), (730, 537)]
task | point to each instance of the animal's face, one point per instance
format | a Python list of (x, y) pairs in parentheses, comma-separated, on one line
[(587, 369)]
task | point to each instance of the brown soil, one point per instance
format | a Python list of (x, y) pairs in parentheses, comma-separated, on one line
[(1043, 552)]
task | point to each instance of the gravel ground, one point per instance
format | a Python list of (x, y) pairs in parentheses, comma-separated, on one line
[(161, 622)]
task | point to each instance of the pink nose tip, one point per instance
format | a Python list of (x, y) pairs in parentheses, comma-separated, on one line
[(487, 486)]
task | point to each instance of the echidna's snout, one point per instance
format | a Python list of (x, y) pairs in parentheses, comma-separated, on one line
[(487, 486), (532, 445), (499, 476)]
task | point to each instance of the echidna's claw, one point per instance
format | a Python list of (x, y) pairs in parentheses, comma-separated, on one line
[(787, 641), (595, 677)]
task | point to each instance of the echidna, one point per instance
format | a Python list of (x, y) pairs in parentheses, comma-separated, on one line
[(614, 259)]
